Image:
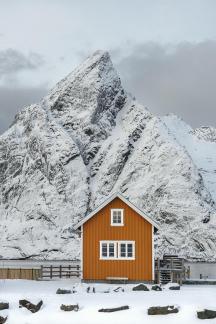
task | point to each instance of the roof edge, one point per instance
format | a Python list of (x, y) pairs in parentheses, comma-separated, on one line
[(107, 201)]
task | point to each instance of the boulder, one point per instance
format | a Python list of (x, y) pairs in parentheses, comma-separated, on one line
[(31, 307), (140, 287), (156, 288), (3, 319), (172, 286), (118, 289), (69, 308), (206, 314), (63, 291), (162, 310), (4, 306), (111, 310)]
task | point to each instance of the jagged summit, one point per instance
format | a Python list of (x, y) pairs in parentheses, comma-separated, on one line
[(87, 139)]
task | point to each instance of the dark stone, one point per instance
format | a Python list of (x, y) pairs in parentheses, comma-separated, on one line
[(156, 288), (140, 287), (162, 310), (174, 287), (31, 307), (206, 314), (69, 308), (63, 291), (118, 289), (4, 306), (3, 319), (111, 310)]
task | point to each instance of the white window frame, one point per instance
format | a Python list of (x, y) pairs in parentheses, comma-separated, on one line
[(126, 257), (117, 250), (122, 217)]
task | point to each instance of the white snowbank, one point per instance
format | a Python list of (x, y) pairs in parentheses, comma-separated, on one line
[(189, 299)]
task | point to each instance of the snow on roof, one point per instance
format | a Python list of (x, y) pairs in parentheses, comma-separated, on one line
[(107, 201)]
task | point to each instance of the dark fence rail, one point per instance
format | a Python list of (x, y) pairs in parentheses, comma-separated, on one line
[(51, 272)]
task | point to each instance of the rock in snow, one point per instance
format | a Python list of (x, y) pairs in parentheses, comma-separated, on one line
[(88, 139)]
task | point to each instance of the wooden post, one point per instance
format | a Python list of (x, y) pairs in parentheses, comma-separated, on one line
[(69, 270), (60, 271), (41, 272), (51, 273), (78, 270), (158, 266)]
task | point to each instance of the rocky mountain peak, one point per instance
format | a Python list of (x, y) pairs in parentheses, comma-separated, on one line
[(206, 133), (87, 139)]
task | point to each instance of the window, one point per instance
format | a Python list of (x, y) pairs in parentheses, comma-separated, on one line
[(107, 250), (126, 250), (117, 217), (117, 250)]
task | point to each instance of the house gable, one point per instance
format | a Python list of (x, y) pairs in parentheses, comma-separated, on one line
[(110, 199)]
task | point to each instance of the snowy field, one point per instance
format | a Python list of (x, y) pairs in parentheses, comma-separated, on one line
[(189, 299)]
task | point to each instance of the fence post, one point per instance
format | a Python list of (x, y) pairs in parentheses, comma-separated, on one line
[(78, 270), (60, 271), (51, 272), (41, 274), (69, 267)]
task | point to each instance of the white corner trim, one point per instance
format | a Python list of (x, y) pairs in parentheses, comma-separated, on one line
[(81, 254), (153, 255)]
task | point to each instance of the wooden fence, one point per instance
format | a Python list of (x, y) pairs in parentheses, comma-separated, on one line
[(29, 274), (51, 272)]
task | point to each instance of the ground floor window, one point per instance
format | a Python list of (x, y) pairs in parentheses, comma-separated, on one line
[(117, 250)]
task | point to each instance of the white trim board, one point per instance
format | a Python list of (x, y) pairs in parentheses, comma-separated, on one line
[(107, 201)]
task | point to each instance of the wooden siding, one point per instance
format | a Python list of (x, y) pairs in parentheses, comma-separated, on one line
[(135, 228)]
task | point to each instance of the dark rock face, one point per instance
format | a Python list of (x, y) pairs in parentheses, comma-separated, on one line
[(63, 291), (69, 308), (84, 141), (4, 306), (31, 307), (140, 287), (206, 314), (162, 310)]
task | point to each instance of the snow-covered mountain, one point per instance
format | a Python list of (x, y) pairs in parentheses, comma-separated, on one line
[(87, 139)]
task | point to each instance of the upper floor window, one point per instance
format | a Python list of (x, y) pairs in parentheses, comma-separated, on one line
[(117, 217)]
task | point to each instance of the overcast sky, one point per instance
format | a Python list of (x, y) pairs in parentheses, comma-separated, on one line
[(164, 50)]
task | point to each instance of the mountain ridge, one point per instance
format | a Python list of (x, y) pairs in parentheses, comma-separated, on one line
[(87, 139)]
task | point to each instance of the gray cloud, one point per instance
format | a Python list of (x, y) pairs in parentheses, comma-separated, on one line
[(12, 100), (178, 79), (13, 61)]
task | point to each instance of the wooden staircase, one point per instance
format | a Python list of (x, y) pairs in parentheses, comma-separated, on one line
[(165, 276), (169, 269)]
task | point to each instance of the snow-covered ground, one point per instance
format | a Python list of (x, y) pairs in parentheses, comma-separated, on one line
[(189, 299)]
